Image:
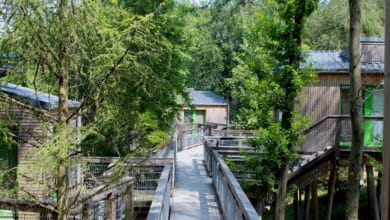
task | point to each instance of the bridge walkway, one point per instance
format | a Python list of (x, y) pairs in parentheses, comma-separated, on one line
[(194, 196)]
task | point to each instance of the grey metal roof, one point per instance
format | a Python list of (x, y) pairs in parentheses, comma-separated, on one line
[(337, 62), (35, 98), (206, 98), (372, 39)]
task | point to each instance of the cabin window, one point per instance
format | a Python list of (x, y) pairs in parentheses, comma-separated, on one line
[(187, 116), (344, 99), (373, 106)]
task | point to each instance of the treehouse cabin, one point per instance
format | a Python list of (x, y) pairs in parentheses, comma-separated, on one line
[(26, 113), (205, 108), (329, 94)]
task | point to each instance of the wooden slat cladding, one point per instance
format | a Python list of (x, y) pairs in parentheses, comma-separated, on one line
[(322, 98), (214, 114), (31, 129), (373, 52)]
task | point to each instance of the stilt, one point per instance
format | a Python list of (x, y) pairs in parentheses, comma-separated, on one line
[(371, 192), (306, 205), (296, 205), (314, 201), (331, 191)]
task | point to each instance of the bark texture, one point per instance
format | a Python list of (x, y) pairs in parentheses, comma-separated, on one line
[(355, 158)]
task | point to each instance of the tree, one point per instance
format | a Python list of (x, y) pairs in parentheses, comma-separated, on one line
[(385, 203), (356, 154), (327, 28), (293, 14), (104, 54), (271, 78), (216, 37)]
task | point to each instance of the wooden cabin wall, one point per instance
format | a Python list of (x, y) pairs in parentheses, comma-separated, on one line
[(214, 114), (322, 98), (31, 129)]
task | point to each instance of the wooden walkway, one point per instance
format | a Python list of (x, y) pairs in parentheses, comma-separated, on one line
[(194, 196)]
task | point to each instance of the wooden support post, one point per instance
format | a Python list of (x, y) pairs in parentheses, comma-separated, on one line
[(86, 212), (371, 192), (260, 206), (296, 204), (306, 205), (378, 189), (385, 203), (129, 206), (111, 206), (314, 201), (331, 191)]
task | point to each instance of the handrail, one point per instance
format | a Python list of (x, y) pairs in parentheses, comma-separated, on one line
[(234, 202), (159, 209), (316, 124), (331, 130)]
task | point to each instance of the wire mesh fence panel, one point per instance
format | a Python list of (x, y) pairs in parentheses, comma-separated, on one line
[(93, 172), (145, 179), (99, 210), (120, 204), (18, 215)]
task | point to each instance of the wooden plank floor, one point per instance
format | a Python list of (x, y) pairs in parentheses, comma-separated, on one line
[(194, 196)]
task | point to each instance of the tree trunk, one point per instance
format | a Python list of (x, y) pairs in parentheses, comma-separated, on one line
[(62, 169), (355, 157), (331, 191), (385, 194), (371, 192), (280, 196)]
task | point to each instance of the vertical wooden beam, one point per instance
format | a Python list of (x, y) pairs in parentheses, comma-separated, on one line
[(385, 206), (129, 206), (331, 191), (296, 205), (378, 189), (260, 206), (306, 205), (371, 192), (314, 201), (86, 212), (111, 206)]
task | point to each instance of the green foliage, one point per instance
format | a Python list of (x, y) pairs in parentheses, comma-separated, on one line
[(123, 60), (8, 153), (327, 28), (215, 37), (268, 80), (261, 166), (139, 104)]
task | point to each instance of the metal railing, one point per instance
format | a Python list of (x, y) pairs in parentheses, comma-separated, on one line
[(113, 202), (234, 202), (146, 173), (191, 138), (233, 133), (160, 207)]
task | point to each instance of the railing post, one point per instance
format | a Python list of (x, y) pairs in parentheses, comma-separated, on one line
[(111, 207), (129, 206), (86, 212)]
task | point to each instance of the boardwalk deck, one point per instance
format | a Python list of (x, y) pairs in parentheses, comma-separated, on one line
[(194, 196)]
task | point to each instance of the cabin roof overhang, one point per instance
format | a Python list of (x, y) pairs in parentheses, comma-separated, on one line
[(35, 98), (203, 98)]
